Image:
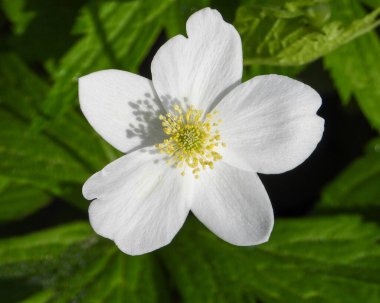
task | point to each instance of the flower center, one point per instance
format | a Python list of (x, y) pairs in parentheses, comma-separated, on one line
[(192, 141)]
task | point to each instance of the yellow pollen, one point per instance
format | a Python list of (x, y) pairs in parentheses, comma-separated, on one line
[(192, 140)]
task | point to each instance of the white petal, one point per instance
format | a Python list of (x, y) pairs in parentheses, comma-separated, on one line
[(139, 202), (269, 124), (202, 68), (234, 205), (122, 107)]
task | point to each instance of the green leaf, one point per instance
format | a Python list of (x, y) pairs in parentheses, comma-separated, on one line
[(34, 253), (296, 32), (40, 297), (326, 260), (68, 151), (355, 69), (251, 71), (57, 159), (16, 13), (41, 30), (19, 200), (32, 158), (21, 91), (357, 188), (72, 264), (116, 35), (75, 134), (179, 12), (108, 275), (11, 290), (372, 3)]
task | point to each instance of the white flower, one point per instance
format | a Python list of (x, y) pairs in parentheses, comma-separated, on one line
[(194, 139)]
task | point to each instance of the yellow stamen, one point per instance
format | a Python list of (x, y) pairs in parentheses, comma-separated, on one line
[(191, 140)]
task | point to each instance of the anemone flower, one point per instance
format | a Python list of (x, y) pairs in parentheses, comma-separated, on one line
[(194, 139)]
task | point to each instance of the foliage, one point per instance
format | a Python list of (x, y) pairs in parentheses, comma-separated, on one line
[(356, 71), (357, 188), (296, 32), (47, 150), (307, 260), (19, 200), (70, 263)]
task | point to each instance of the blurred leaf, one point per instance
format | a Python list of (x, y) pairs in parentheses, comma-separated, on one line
[(57, 159), (18, 201), (326, 260), (116, 35), (33, 158), (108, 275), (4, 183), (68, 151), (11, 292), (73, 132), (179, 12), (307, 260), (35, 253), (251, 71), (357, 188), (16, 13), (21, 91), (41, 28), (372, 3), (41, 297), (227, 8), (296, 32), (355, 69), (74, 265)]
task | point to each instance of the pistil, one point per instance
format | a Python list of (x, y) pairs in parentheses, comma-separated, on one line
[(192, 139)]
